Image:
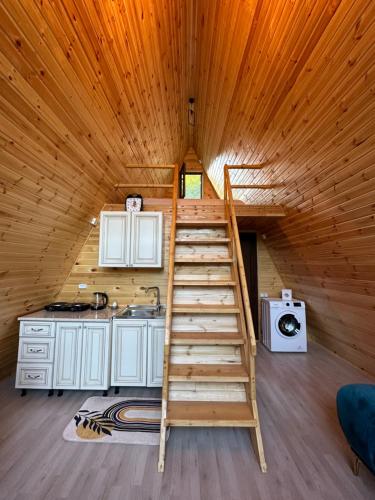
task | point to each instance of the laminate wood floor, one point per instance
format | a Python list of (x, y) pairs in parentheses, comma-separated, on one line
[(306, 452)]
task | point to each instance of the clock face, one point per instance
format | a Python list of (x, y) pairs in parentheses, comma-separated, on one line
[(133, 204)]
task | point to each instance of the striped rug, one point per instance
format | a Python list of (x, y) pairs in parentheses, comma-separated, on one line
[(116, 420)]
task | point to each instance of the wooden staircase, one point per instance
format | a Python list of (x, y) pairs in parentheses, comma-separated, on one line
[(209, 369)]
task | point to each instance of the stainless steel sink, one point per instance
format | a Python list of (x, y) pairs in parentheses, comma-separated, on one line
[(135, 311)]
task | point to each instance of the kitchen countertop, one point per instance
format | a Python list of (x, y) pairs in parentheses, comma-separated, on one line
[(89, 315)]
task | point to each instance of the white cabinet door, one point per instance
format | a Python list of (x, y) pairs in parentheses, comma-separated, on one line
[(155, 355), (129, 352), (147, 239), (95, 356), (114, 240), (68, 348)]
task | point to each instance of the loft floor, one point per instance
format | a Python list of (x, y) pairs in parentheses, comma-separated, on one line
[(306, 453)]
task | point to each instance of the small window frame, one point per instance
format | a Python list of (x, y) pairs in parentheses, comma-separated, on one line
[(187, 173)]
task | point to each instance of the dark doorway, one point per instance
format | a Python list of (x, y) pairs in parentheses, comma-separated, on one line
[(250, 260)]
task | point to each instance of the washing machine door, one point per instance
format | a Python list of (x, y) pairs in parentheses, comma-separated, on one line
[(288, 325)]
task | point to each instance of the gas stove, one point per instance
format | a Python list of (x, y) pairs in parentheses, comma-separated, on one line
[(67, 306)]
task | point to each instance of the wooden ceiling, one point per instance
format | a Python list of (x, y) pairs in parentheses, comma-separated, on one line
[(88, 86), (101, 84)]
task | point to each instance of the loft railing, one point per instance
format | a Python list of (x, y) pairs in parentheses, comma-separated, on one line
[(146, 185)]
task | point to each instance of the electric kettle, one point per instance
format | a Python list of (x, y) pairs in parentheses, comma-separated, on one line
[(100, 301)]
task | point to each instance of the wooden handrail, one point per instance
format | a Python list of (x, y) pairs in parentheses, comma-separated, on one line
[(240, 264), (245, 167), (168, 321), (156, 186), (150, 165), (144, 185)]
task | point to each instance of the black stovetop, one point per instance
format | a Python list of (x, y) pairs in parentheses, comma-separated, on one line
[(67, 306)]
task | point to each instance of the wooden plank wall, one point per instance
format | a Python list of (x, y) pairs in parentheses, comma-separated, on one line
[(44, 222), (269, 278), (320, 144), (81, 95), (121, 284)]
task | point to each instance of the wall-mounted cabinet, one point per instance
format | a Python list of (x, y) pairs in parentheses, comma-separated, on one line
[(131, 239)]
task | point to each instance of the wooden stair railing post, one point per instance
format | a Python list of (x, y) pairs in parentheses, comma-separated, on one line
[(246, 349), (168, 324), (241, 267), (255, 432)]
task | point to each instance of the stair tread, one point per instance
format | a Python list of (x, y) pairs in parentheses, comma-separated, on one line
[(208, 373), (202, 241), (206, 308), (202, 222), (192, 259), (206, 338), (204, 283), (209, 414)]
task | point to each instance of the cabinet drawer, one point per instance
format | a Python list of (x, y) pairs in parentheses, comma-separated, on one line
[(37, 329), (31, 376), (36, 350)]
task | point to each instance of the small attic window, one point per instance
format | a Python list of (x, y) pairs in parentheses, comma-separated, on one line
[(193, 186)]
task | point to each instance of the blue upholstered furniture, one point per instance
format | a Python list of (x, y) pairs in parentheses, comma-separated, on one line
[(356, 412)]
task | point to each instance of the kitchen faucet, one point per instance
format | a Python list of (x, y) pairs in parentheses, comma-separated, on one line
[(158, 305)]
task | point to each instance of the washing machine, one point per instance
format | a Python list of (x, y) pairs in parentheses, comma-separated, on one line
[(284, 325)]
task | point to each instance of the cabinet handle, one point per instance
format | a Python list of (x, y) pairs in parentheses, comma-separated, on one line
[(32, 377), (36, 329), (32, 349)]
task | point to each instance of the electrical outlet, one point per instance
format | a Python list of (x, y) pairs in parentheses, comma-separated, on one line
[(81, 286)]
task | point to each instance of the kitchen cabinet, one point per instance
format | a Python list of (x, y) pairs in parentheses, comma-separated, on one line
[(131, 239), (67, 366), (129, 352), (114, 241), (63, 355), (81, 356), (137, 352), (89, 353), (155, 350), (146, 238), (95, 356), (35, 355)]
